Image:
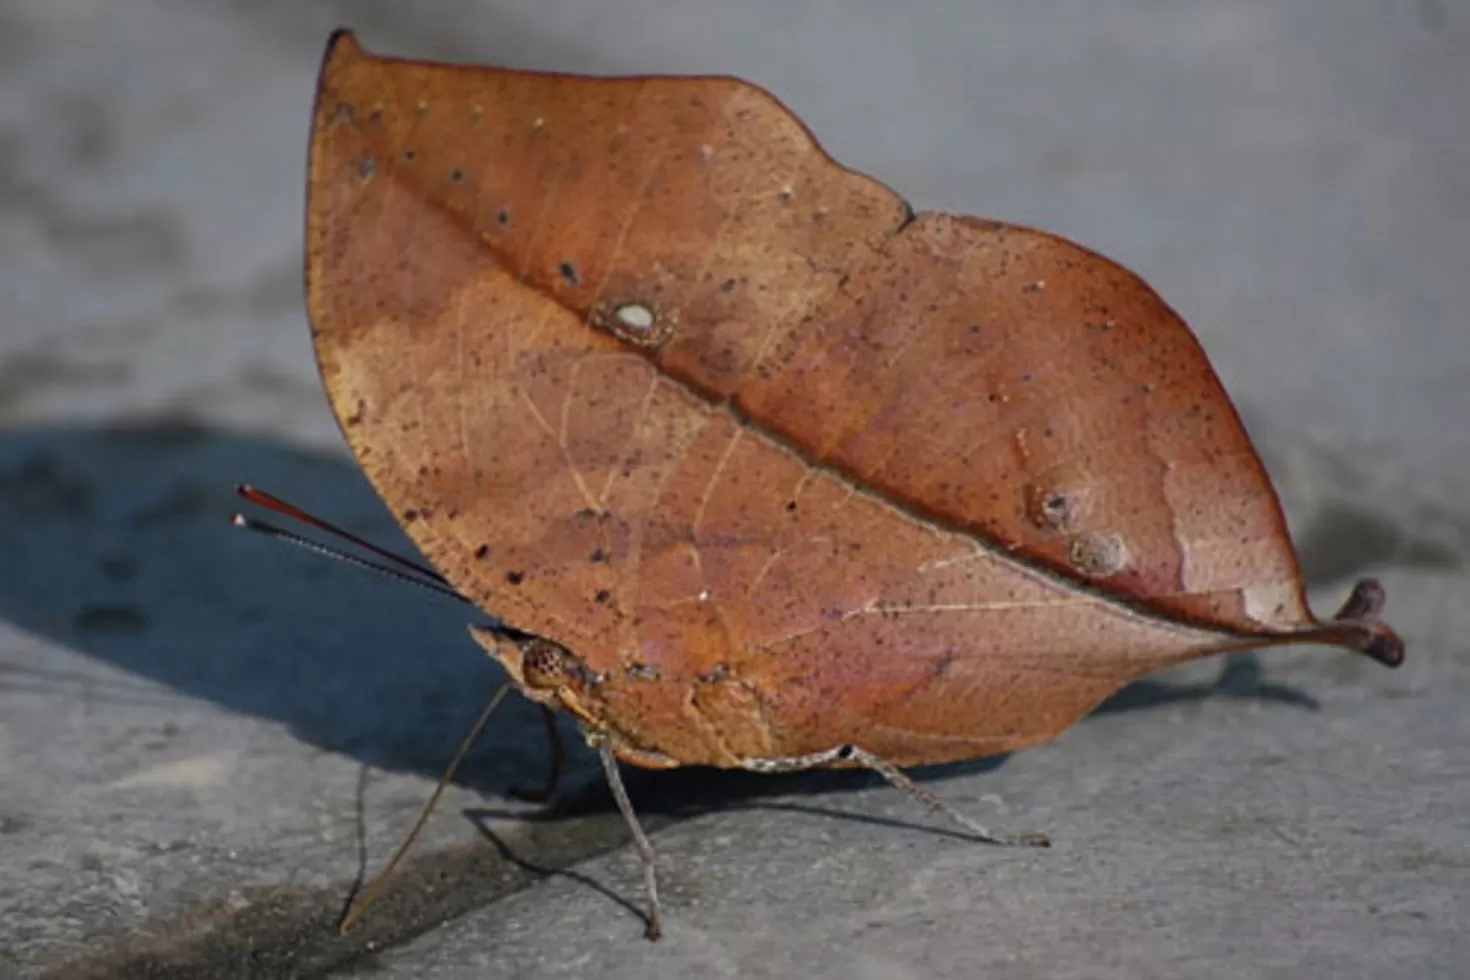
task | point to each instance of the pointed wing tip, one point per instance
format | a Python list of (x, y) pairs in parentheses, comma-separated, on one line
[(1385, 646), (340, 44), (1357, 625), (1363, 607), (342, 49)]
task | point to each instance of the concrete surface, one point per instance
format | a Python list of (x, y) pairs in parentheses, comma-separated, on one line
[(204, 736)]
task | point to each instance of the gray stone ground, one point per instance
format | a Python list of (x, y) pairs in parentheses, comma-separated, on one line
[(204, 735)]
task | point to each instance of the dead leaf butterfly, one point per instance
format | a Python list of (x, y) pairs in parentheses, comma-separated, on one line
[(759, 468)]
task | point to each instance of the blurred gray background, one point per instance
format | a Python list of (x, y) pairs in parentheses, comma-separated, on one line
[(205, 737)]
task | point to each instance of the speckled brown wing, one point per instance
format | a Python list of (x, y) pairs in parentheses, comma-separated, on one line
[(645, 372)]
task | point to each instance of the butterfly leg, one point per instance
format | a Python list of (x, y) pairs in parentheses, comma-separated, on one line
[(896, 778), (543, 794), (645, 850)]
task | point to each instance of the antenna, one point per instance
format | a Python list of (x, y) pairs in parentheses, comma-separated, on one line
[(272, 502), (316, 547), (425, 578)]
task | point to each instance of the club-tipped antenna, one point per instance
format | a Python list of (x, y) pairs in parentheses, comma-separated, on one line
[(317, 547), (271, 502)]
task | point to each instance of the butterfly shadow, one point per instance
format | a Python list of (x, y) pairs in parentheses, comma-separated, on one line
[(119, 548)]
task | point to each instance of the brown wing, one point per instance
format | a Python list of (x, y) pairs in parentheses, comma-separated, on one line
[(642, 370)]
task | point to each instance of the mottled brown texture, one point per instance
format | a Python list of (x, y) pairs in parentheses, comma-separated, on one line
[(778, 464)]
